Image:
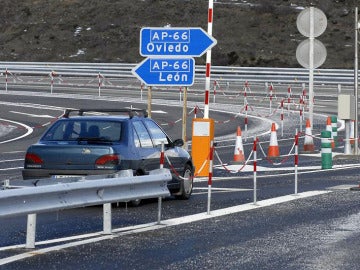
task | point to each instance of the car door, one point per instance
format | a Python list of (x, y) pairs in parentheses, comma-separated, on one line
[(171, 153), (149, 154)]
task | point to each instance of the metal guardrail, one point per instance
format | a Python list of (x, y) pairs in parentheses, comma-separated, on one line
[(228, 73), (38, 196)]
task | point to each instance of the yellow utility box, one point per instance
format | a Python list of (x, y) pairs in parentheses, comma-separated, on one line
[(202, 135)]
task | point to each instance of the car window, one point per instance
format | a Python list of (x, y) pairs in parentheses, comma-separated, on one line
[(156, 132), (82, 129), (142, 134)]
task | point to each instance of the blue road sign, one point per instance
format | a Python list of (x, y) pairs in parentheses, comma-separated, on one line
[(175, 42), (166, 72)]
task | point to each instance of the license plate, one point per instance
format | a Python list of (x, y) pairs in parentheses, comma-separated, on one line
[(64, 176)]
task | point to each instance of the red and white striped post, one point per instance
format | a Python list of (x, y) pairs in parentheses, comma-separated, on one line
[(246, 120), (162, 156), (180, 98), (99, 78), (214, 99), (254, 164), (296, 160), (289, 99), (301, 112), (141, 90), (208, 61), (304, 100), (211, 157), (52, 74), (271, 95), (245, 93), (282, 117), (6, 79), (195, 110)]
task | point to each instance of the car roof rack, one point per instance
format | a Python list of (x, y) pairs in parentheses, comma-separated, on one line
[(130, 112)]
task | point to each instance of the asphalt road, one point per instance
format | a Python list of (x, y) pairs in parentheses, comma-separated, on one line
[(316, 232)]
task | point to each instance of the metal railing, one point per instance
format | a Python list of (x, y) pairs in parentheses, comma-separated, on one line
[(37, 196), (228, 73)]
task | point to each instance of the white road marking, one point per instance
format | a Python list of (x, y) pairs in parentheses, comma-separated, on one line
[(29, 130), (34, 115), (165, 223)]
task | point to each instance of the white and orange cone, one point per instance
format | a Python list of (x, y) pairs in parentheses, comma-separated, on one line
[(308, 140), (329, 128), (239, 148), (273, 150)]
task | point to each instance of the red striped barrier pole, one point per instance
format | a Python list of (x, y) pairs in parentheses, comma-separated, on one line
[(254, 164), (289, 99), (214, 91), (246, 121), (52, 81), (99, 78), (208, 61), (271, 95), (162, 156), (245, 94), (301, 113), (282, 118), (210, 175), (6, 79)]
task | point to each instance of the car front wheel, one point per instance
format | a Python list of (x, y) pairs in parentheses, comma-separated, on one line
[(186, 186)]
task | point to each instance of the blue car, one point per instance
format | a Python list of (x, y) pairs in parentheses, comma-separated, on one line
[(94, 142)]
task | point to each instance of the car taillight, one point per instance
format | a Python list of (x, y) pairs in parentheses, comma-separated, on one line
[(31, 158), (107, 161)]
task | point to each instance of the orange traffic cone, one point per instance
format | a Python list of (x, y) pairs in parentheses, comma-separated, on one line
[(239, 149), (329, 128), (273, 150), (308, 140)]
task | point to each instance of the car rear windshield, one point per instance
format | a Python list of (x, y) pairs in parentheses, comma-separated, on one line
[(73, 130)]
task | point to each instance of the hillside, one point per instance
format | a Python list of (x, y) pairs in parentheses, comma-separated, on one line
[(249, 33)]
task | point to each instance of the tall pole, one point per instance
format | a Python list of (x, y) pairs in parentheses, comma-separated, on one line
[(184, 118), (208, 62), (149, 101), (311, 67), (356, 94)]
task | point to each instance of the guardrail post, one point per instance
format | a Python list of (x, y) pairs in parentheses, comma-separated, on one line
[(30, 231), (107, 227), (159, 210)]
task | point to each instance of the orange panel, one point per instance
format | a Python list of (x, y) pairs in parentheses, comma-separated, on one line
[(202, 135)]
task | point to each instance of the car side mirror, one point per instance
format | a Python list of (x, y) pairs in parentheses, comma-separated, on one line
[(178, 142)]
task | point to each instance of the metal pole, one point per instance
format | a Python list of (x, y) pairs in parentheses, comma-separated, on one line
[(356, 133), (149, 101), (208, 62), (311, 67), (30, 231), (99, 78), (184, 118), (296, 160), (107, 228), (254, 178), (6, 79), (159, 210), (210, 176)]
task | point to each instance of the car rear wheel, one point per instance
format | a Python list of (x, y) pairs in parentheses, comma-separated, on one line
[(186, 186)]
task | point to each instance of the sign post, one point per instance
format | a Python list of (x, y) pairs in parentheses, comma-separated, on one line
[(170, 63), (311, 53)]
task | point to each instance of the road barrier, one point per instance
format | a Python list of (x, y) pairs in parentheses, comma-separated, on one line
[(46, 195), (230, 74)]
